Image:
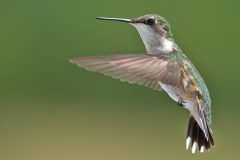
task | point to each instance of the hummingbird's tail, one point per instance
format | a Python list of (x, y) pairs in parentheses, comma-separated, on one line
[(196, 137)]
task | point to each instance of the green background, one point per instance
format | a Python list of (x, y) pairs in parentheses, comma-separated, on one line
[(51, 109)]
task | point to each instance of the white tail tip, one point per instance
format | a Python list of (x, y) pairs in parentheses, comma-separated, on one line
[(188, 141), (202, 149), (194, 147)]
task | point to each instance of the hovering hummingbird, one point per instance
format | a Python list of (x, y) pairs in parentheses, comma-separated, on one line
[(163, 67)]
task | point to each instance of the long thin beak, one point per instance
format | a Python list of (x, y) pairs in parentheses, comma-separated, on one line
[(115, 19)]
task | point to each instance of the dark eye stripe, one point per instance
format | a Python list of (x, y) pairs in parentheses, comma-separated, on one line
[(165, 28), (151, 21)]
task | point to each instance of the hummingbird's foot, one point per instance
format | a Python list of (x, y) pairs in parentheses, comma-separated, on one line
[(181, 103)]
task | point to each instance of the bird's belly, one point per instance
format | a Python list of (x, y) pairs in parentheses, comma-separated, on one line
[(178, 95), (173, 92)]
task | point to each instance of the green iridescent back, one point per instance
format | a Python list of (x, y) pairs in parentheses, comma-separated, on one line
[(203, 90)]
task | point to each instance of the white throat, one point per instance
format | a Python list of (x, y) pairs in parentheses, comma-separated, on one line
[(166, 45), (153, 42)]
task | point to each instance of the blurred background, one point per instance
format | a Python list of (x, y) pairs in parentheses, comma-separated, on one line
[(51, 109)]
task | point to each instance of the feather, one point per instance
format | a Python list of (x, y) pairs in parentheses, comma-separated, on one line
[(141, 69)]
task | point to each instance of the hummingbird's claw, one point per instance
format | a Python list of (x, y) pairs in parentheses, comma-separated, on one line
[(181, 103)]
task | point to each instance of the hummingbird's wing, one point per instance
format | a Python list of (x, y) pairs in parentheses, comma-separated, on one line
[(142, 69)]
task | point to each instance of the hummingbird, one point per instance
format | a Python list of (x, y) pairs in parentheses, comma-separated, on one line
[(164, 67)]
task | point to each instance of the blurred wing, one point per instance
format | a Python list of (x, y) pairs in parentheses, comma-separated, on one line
[(135, 68)]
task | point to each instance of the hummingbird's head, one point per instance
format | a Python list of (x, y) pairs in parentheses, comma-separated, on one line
[(154, 30), (154, 24)]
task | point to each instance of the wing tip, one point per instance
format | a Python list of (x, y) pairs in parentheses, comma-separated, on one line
[(72, 60)]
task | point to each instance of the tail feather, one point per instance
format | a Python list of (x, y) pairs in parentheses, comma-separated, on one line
[(195, 136)]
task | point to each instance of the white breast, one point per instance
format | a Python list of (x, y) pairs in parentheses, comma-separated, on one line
[(166, 45)]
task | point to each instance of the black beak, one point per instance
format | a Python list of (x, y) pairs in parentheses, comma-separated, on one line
[(116, 19)]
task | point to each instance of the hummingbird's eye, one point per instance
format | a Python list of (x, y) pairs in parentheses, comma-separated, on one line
[(151, 21)]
